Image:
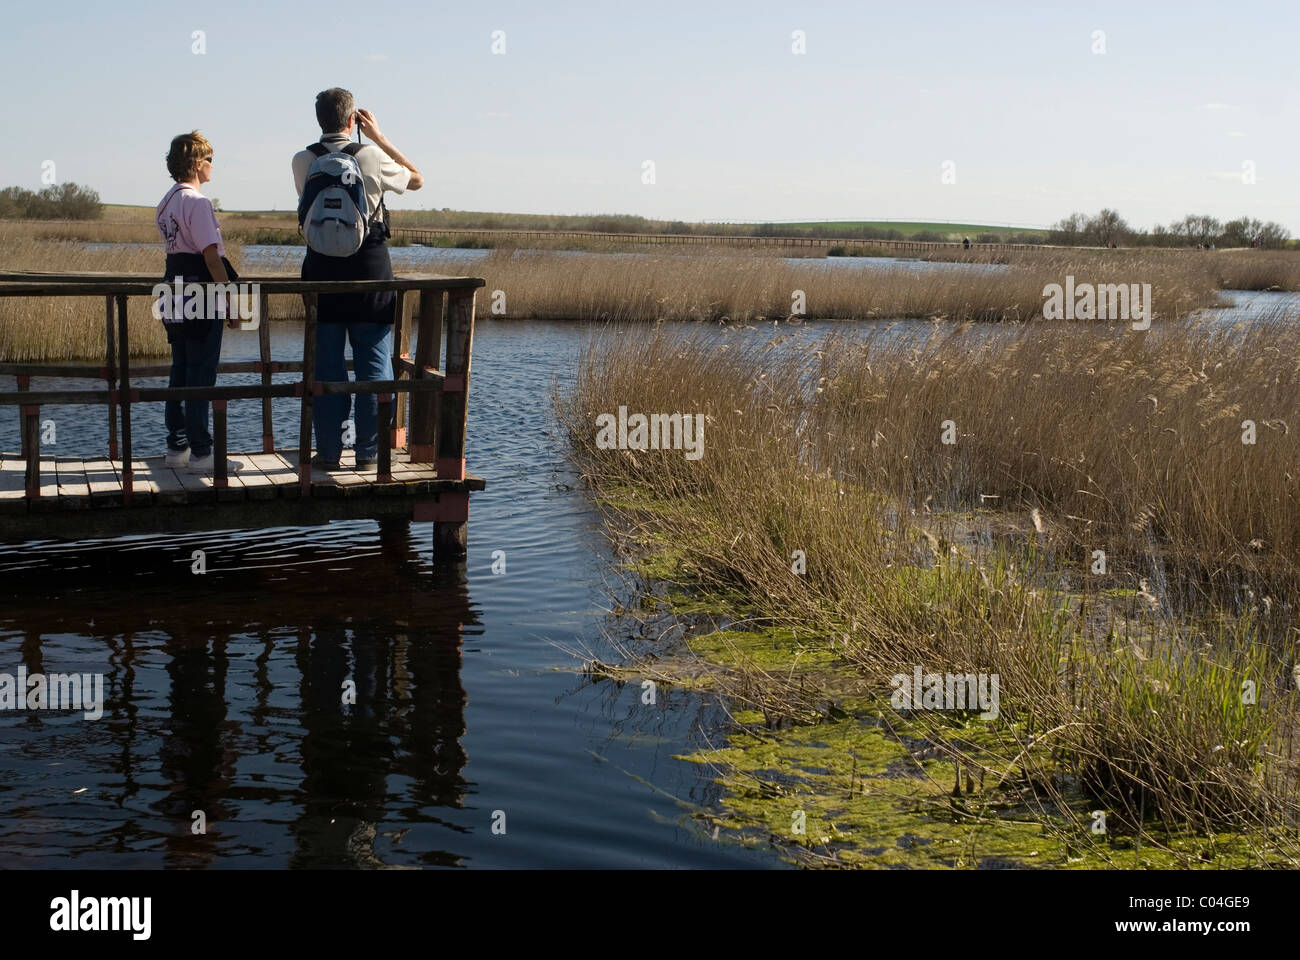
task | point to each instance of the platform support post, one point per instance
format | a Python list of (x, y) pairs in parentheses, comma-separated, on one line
[(406, 303), (110, 371), (264, 354), (220, 480), (308, 393), (31, 414), (24, 385), (424, 406), (450, 536), (384, 467), (124, 374)]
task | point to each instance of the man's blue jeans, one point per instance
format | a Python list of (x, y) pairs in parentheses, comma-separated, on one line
[(194, 364), (372, 359)]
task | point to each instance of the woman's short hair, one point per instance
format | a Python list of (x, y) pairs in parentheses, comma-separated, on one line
[(334, 108), (187, 151)]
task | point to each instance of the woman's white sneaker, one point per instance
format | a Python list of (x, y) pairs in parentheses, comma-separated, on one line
[(208, 464), (177, 458)]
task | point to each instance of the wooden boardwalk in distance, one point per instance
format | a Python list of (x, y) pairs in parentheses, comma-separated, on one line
[(420, 475), (433, 234)]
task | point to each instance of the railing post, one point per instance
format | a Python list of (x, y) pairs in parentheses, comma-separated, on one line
[(455, 392), (308, 391), (450, 536), (385, 465), (32, 449), (219, 479), (124, 370), (264, 353), (425, 406), (111, 376), (24, 384), (401, 351)]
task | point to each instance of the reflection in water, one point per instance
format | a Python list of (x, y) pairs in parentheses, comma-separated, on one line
[(408, 715), (374, 638), (224, 691)]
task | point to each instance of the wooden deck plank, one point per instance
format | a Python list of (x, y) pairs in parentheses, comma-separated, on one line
[(150, 477), (413, 471), (49, 479), (12, 471), (141, 480), (198, 487), (12, 485), (104, 482), (49, 498), (74, 488), (234, 489), (144, 486), (248, 479), (279, 472), (343, 482)]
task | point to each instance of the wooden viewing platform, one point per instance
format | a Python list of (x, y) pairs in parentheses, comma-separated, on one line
[(420, 475)]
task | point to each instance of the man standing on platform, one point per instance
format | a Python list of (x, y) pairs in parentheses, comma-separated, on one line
[(346, 227)]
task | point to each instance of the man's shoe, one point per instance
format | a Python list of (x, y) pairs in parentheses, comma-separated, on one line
[(209, 463), (367, 463), (177, 458), (319, 461)]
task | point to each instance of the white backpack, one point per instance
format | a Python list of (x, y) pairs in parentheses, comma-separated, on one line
[(333, 212)]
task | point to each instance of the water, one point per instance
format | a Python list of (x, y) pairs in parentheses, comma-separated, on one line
[(1248, 305), (455, 261), (223, 691)]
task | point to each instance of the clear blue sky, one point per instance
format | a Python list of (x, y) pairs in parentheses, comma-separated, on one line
[(738, 126)]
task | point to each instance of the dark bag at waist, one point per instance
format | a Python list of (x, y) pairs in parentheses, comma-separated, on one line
[(191, 268), (371, 262)]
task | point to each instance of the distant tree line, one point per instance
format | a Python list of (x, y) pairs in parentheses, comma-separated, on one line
[(1194, 230), (64, 201)]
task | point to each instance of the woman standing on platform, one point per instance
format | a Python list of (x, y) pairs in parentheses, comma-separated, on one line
[(195, 254)]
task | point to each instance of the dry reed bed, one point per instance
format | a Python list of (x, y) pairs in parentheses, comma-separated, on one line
[(1140, 708), (1237, 269), (233, 227), (72, 328), (51, 329), (733, 287), (743, 288), (1234, 269), (1126, 441)]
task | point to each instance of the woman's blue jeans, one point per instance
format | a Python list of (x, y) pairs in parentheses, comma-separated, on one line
[(194, 364)]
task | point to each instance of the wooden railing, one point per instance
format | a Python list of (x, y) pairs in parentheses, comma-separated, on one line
[(431, 397)]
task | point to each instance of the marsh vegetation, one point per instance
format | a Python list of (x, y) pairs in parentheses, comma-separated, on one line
[(1157, 686)]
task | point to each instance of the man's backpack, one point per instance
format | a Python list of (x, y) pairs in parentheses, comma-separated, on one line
[(334, 214)]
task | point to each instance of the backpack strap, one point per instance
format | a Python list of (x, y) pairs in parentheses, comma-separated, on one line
[(351, 150), (318, 148), (171, 195)]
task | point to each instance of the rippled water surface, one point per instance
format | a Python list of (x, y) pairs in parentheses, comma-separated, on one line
[(223, 691)]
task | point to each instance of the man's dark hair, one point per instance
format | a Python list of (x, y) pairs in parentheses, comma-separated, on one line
[(334, 107)]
